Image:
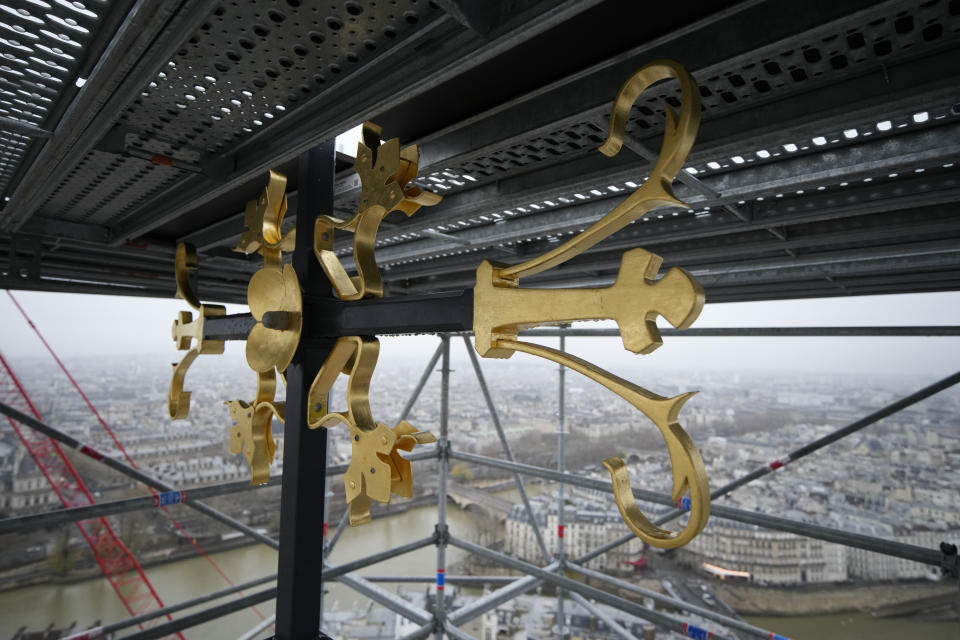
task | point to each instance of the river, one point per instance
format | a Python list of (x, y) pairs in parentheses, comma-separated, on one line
[(94, 599), (858, 626)]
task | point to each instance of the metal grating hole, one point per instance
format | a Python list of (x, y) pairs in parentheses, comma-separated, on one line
[(851, 132), (104, 186), (41, 44), (252, 61), (833, 49)]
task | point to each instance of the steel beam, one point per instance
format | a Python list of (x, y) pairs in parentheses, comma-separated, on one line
[(823, 246), (102, 509), (508, 452), (366, 561), (206, 615), (374, 88), (587, 93), (827, 167), (130, 472), (415, 394), (386, 598), (147, 39), (784, 332), (870, 543), (300, 587), (109, 629), (424, 631), (733, 623), (341, 526), (660, 619), (464, 580), (443, 472), (24, 127), (254, 633), (494, 599), (452, 632), (788, 213)]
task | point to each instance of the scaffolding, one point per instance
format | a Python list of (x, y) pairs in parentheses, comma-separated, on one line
[(554, 568), (827, 166)]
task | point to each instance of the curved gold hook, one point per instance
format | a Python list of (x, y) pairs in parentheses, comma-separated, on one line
[(186, 261), (679, 131), (357, 357), (678, 137), (688, 470), (252, 434), (385, 171), (263, 219), (273, 205), (376, 468), (178, 400)]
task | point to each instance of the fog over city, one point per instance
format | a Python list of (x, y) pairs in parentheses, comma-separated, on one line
[(759, 399), (81, 326)]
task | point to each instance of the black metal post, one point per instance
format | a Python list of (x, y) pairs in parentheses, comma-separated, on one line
[(299, 586)]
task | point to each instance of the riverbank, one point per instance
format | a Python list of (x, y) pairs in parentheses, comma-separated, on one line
[(825, 600), (39, 573)]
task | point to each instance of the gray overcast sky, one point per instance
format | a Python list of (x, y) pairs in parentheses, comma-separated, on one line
[(86, 325)]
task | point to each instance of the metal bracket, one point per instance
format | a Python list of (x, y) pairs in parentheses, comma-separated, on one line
[(441, 535), (20, 267), (443, 449), (949, 561)]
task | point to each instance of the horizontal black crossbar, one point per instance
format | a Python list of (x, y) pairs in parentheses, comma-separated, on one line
[(433, 313)]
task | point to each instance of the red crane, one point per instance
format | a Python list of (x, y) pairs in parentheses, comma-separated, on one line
[(119, 445), (118, 564)]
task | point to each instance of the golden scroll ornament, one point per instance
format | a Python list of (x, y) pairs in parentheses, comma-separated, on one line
[(502, 309)]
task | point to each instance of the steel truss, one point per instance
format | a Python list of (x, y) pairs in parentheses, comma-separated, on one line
[(440, 622)]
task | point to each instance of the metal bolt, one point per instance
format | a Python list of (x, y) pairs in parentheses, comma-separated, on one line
[(372, 470)]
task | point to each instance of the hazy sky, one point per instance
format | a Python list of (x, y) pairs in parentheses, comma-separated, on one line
[(87, 326)]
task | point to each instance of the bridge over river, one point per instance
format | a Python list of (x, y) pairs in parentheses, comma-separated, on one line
[(464, 496)]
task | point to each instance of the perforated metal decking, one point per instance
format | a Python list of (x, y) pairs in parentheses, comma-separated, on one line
[(825, 163)]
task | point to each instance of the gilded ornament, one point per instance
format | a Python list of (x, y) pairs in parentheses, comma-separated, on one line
[(278, 293), (385, 173), (186, 330), (502, 309), (376, 468), (252, 432)]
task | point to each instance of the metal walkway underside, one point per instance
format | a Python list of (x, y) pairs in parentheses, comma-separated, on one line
[(826, 162)]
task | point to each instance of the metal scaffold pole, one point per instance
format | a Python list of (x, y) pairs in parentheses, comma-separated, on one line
[(326, 510), (443, 470), (660, 619), (869, 543), (114, 507), (803, 451), (561, 500), (421, 383), (168, 491), (507, 450)]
